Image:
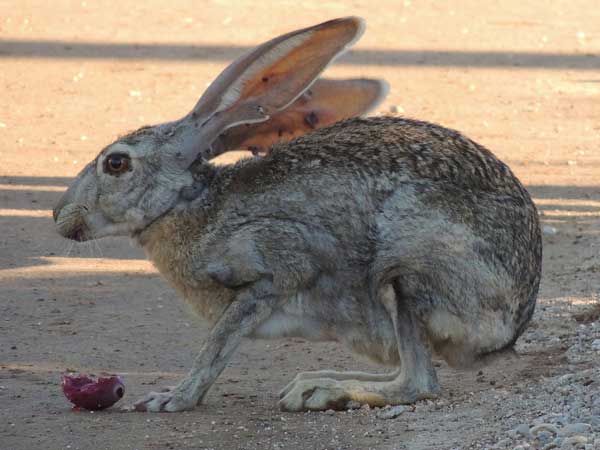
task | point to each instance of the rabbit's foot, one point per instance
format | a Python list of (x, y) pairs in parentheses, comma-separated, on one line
[(326, 393), (339, 376), (170, 400)]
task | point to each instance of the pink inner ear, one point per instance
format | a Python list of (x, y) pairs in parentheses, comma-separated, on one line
[(270, 77)]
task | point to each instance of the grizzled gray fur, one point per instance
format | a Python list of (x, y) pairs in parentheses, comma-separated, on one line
[(394, 237)]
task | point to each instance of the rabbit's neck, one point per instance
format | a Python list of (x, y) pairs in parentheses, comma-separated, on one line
[(168, 245), (167, 242)]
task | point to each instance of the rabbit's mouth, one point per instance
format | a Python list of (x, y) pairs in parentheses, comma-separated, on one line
[(78, 235)]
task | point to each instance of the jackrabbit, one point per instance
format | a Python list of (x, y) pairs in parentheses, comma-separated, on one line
[(395, 237)]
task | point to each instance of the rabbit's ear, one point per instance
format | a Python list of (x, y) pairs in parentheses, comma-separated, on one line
[(267, 80), (326, 102)]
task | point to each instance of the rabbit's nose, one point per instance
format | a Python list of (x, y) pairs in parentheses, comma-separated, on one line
[(78, 191), (56, 211), (64, 200)]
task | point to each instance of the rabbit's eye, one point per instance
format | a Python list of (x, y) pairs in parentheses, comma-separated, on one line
[(117, 163)]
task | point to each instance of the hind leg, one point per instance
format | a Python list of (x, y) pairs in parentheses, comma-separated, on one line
[(415, 380)]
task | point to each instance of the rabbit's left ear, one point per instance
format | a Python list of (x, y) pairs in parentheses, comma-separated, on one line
[(264, 81)]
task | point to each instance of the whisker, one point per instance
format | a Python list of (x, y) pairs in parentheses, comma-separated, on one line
[(70, 245), (90, 248), (97, 245)]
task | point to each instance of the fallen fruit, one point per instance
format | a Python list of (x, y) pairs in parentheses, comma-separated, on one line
[(85, 392)]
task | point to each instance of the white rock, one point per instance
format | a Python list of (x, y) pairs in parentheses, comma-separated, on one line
[(575, 429), (396, 109), (522, 430), (391, 413), (575, 441), (544, 427)]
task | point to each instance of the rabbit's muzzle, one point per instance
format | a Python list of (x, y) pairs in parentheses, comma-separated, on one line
[(70, 222), (71, 210)]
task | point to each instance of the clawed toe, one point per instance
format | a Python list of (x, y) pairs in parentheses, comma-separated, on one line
[(287, 388), (313, 395), (166, 401)]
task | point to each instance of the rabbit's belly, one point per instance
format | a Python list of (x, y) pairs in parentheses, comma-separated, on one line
[(377, 345), (282, 324), (372, 335)]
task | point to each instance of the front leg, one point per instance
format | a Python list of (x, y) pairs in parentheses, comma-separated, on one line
[(251, 306)]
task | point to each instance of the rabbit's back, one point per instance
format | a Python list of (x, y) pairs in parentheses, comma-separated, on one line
[(389, 160)]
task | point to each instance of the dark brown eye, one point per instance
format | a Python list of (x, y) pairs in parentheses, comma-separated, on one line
[(117, 163)]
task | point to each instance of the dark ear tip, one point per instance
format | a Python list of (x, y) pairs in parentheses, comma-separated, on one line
[(358, 21), (358, 24), (378, 87), (383, 88)]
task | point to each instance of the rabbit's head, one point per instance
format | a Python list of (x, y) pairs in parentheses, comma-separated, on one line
[(262, 97)]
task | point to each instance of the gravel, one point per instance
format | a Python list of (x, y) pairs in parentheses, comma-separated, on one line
[(564, 411), (558, 411)]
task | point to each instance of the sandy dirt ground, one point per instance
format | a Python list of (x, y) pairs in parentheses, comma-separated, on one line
[(522, 78)]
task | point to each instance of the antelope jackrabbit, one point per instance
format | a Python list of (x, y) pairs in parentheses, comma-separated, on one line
[(392, 236)]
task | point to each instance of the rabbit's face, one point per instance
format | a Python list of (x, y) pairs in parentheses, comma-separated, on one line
[(130, 183)]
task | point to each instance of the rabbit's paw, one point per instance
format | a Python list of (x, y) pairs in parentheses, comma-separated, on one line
[(316, 395), (169, 401), (297, 379)]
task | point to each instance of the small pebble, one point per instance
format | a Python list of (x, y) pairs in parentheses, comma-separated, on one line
[(353, 404), (391, 413), (575, 441), (504, 443), (543, 438), (522, 430), (576, 429), (544, 427)]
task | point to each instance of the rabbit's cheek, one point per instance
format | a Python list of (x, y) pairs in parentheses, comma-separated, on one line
[(112, 208), (116, 204), (97, 226)]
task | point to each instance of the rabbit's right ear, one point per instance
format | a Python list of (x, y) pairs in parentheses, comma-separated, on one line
[(264, 81), (325, 103)]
